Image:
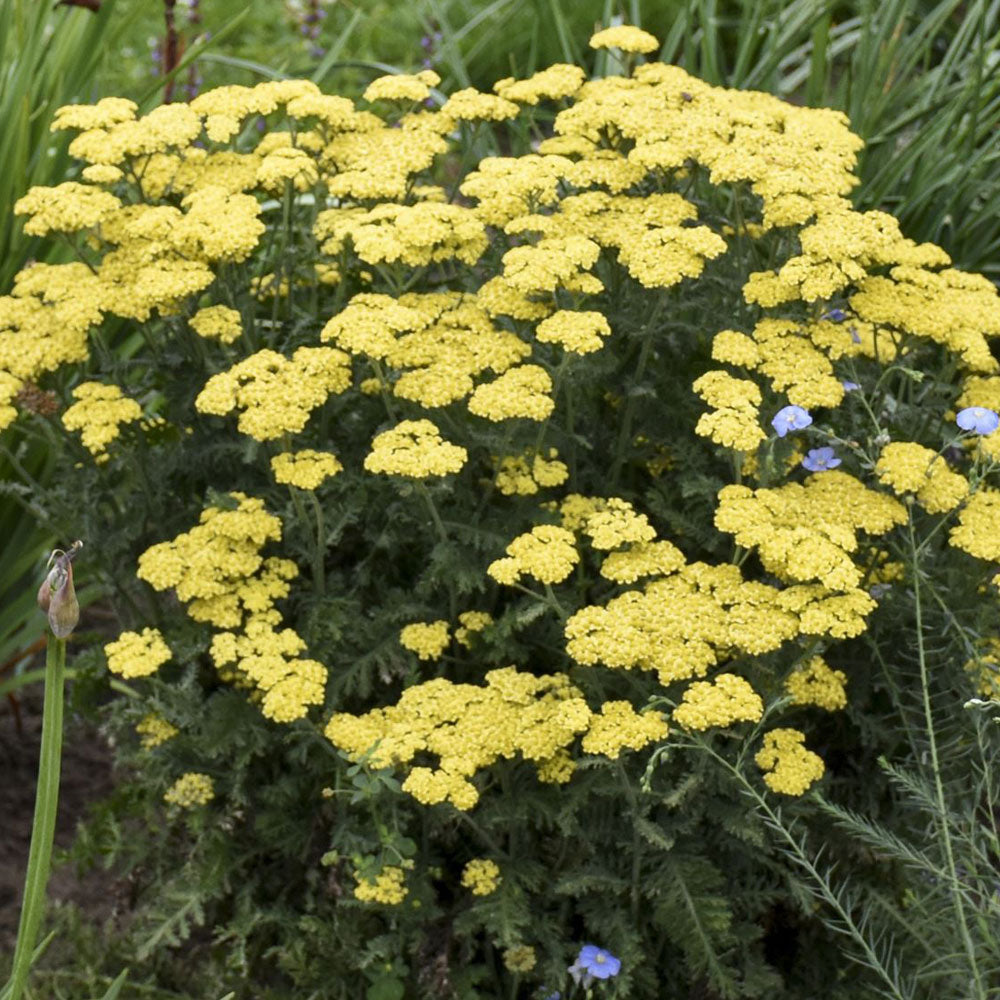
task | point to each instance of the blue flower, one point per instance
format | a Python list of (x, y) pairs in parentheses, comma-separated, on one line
[(597, 962), (837, 315), (850, 386), (978, 419), (790, 418), (820, 459)]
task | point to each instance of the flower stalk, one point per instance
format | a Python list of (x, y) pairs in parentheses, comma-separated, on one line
[(58, 599)]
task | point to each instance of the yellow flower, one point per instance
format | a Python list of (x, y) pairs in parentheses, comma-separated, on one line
[(815, 683), (388, 887), (154, 730), (481, 876), (190, 790), (725, 700), (414, 448), (625, 37), (427, 639), (305, 469), (789, 767), (137, 654)]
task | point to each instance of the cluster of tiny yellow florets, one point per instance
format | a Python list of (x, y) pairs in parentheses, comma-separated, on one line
[(137, 654), (306, 469), (594, 192), (153, 730), (722, 702), (816, 683), (789, 767), (908, 467), (481, 876), (387, 887), (275, 395), (547, 552), (427, 639), (190, 790), (524, 475), (98, 414), (808, 532), (468, 728), (415, 449)]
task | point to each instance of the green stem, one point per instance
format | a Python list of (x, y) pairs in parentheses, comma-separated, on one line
[(943, 831), (44, 825)]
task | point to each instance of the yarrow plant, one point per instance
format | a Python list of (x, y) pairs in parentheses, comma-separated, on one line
[(461, 554)]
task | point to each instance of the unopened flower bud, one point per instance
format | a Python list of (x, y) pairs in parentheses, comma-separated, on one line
[(56, 595)]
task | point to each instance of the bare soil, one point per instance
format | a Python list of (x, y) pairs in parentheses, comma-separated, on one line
[(86, 778)]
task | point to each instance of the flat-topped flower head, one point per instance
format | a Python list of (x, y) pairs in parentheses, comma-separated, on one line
[(626, 37), (977, 419), (790, 418), (820, 459)]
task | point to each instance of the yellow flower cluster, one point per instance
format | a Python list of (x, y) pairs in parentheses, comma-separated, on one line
[(427, 639), (808, 532), (547, 552), (153, 730), (414, 235), (976, 531), (681, 625), (722, 702), (267, 659), (275, 395), (735, 420), (481, 876), (577, 332), (789, 767), (467, 727), (619, 727), (911, 468), (984, 670), (217, 323), (137, 654), (306, 469), (624, 37), (471, 622), (521, 958), (644, 559), (522, 391), (402, 86), (617, 523), (524, 475), (190, 790), (98, 413), (388, 887), (555, 82), (414, 448), (816, 683)]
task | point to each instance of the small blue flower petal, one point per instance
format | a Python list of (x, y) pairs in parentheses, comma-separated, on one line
[(598, 962), (837, 315), (820, 459), (850, 386), (978, 419), (790, 418)]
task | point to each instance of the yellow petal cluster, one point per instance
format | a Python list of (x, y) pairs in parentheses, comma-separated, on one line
[(137, 654), (789, 767)]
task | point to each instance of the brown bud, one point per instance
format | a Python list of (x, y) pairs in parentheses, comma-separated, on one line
[(57, 597)]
